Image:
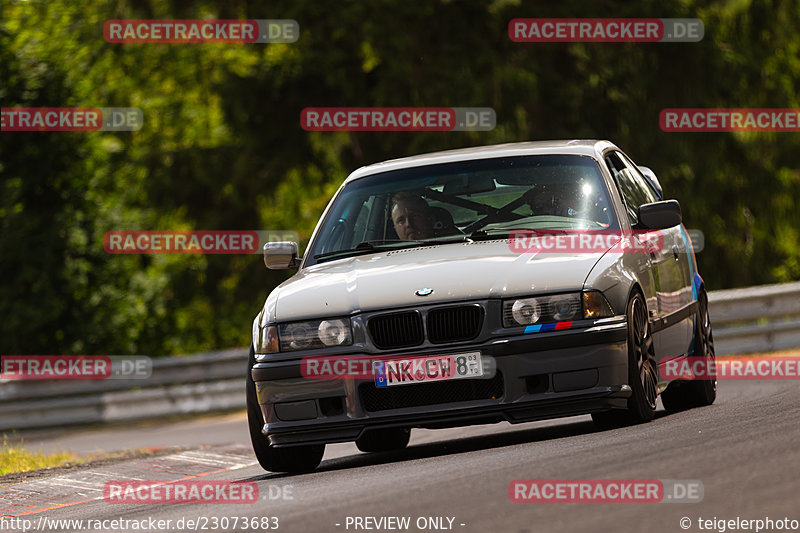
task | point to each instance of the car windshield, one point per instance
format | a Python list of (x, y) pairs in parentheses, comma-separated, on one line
[(454, 202)]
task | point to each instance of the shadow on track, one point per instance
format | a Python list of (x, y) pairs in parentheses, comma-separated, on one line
[(456, 446)]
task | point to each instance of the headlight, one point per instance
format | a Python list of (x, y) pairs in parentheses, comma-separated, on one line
[(297, 336), (315, 334), (541, 310), (524, 312), (334, 332), (565, 307), (555, 308)]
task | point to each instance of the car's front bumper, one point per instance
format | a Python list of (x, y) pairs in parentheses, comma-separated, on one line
[(539, 376)]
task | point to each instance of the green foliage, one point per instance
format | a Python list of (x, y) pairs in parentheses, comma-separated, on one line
[(14, 457), (222, 147)]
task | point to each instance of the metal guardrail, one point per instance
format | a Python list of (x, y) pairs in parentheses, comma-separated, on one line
[(756, 319), (199, 383)]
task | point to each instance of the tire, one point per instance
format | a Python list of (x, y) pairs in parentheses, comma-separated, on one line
[(642, 372), (383, 440), (294, 459), (682, 395)]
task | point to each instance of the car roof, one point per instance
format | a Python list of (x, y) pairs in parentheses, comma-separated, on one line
[(589, 147)]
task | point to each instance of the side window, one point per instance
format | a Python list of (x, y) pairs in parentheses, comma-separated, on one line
[(350, 220), (641, 181), (632, 185), (360, 228), (617, 168)]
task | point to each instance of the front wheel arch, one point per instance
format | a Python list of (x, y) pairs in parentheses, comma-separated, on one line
[(642, 378), (296, 459)]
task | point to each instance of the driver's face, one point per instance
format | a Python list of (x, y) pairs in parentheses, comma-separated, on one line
[(412, 221)]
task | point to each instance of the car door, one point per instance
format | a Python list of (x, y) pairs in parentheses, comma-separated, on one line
[(670, 334), (676, 248)]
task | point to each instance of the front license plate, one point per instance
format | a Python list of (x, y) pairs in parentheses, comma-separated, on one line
[(426, 368)]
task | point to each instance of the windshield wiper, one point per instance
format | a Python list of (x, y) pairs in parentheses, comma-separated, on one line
[(450, 239), (365, 247), (488, 235), (368, 247)]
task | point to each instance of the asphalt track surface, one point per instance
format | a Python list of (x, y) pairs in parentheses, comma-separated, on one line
[(745, 449)]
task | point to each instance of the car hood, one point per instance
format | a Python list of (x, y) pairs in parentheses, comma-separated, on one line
[(455, 272)]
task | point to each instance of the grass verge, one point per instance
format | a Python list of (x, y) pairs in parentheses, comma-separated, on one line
[(14, 458)]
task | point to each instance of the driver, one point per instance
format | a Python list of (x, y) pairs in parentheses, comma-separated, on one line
[(412, 217)]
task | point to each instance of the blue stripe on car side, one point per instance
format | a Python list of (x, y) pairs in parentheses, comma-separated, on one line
[(690, 257)]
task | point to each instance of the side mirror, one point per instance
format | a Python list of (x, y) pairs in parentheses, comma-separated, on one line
[(281, 255), (651, 177), (660, 215)]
